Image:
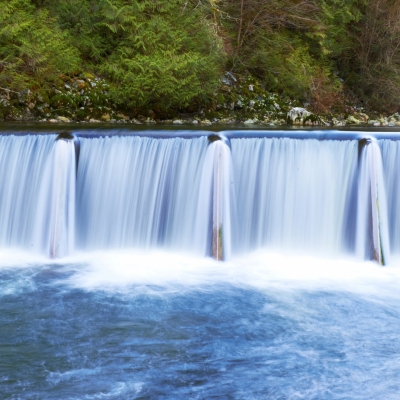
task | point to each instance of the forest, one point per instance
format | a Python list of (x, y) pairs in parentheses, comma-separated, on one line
[(168, 56)]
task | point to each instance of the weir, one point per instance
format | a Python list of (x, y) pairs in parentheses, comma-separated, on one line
[(216, 194)]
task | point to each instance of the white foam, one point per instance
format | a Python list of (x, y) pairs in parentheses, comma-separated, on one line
[(260, 270)]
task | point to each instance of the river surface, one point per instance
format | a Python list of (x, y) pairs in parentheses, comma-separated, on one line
[(157, 325)]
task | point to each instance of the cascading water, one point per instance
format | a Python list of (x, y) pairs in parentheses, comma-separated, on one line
[(213, 225), (292, 194), (137, 311), (23, 163), (372, 226), (139, 192), (301, 195), (391, 168), (55, 222)]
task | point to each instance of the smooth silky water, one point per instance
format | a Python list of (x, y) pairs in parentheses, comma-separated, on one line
[(110, 284)]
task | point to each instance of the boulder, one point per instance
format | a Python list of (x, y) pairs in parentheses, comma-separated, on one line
[(353, 120), (298, 115), (251, 121), (63, 119)]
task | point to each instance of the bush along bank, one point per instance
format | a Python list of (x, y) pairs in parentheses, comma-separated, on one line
[(84, 98)]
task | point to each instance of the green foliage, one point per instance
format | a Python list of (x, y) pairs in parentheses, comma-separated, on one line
[(283, 62), (155, 52), (163, 54), (30, 46), (278, 41), (157, 61), (372, 65)]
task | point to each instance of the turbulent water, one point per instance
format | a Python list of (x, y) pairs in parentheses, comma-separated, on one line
[(118, 325), (108, 290)]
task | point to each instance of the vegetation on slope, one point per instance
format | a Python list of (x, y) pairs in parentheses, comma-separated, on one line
[(169, 55)]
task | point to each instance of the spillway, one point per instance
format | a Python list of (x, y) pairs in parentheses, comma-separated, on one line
[(323, 194), (139, 192), (292, 194)]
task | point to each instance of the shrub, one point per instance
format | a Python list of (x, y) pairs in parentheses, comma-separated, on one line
[(30, 46)]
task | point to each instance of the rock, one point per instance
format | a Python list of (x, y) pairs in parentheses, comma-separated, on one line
[(112, 120), (205, 122), (297, 115), (53, 121), (239, 104), (150, 121), (226, 121), (251, 121), (94, 121), (151, 114), (363, 117), (63, 119), (137, 122), (228, 79), (105, 117), (353, 121), (377, 123), (195, 122), (177, 122), (337, 122), (123, 116)]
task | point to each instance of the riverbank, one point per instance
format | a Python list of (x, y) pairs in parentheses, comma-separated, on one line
[(85, 99)]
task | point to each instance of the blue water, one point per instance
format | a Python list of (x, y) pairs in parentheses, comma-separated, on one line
[(90, 330)]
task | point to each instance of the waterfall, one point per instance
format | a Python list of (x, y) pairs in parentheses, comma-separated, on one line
[(202, 194), (391, 170), (55, 222), (292, 194), (138, 192), (213, 225), (23, 162), (372, 225)]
